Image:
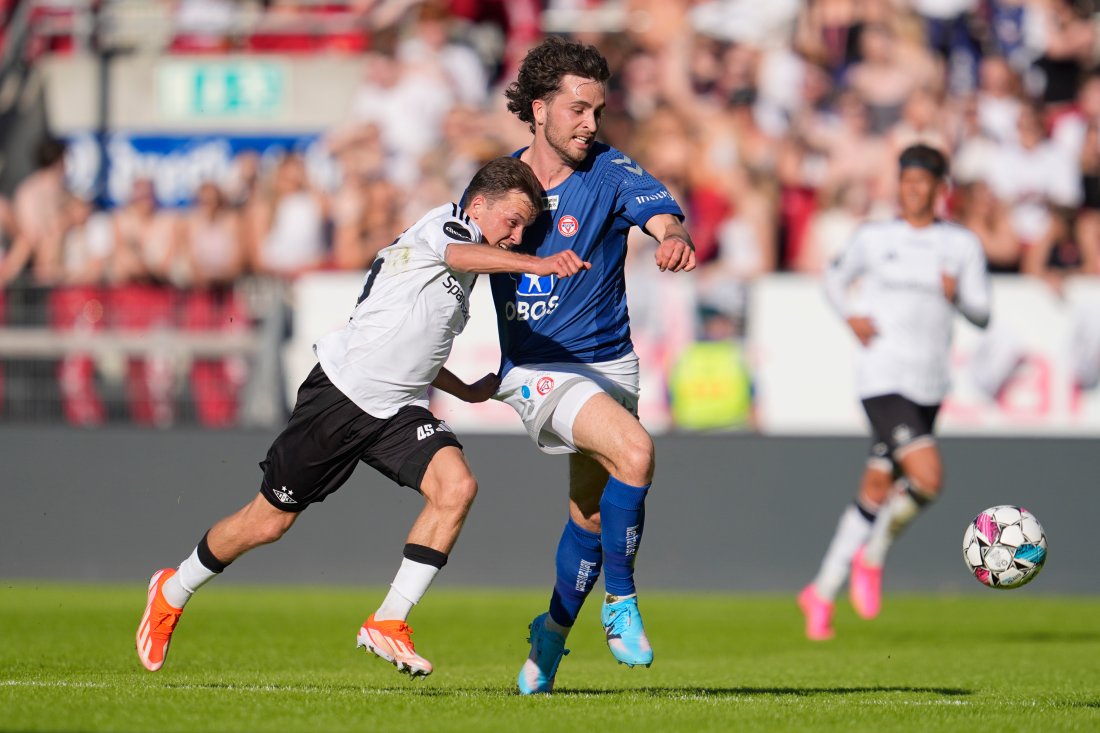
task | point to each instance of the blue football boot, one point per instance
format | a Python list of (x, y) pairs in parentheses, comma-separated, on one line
[(547, 649), (622, 622)]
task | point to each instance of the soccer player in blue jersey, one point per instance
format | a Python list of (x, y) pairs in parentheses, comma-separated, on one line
[(568, 366)]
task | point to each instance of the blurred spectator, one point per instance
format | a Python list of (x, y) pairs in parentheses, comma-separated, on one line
[(1058, 254), (214, 249), (39, 215), (746, 249), (286, 223), (76, 304), (212, 244), (7, 240), (1063, 35), (467, 144), (981, 212), (365, 206), (828, 33), (856, 157), (922, 121), (641, 85), (998, 99), (1032, 176), (1006, 28), (1077, 131), (881, 81), (243, 180), (147, 239), (145, 263), (949, 28), (975, 148), (432, 42), (365, 214), (408, 102), (831, 227), (204, 26)]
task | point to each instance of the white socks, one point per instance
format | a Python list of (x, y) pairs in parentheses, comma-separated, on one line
[(899, 510), (191, 576), (852, 532), (408, 587)]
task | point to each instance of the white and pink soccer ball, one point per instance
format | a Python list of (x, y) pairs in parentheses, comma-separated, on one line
[(1005, 547)]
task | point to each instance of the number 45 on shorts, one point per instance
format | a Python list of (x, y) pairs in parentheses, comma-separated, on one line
[(428, 430)]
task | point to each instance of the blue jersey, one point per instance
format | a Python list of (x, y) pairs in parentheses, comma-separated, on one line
[(582, 318)]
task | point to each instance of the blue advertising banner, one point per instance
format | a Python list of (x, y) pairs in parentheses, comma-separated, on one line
[(178, 164)]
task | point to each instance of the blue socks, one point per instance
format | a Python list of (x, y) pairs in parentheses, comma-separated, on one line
[(582, 553), (622, 517), (578, 560)]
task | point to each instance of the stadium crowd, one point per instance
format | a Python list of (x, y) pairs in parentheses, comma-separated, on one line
[(776, 125)]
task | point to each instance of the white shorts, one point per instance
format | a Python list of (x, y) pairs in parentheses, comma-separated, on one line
[(548, 397)]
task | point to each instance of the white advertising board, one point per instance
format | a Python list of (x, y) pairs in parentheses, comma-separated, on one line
[(802, 356)]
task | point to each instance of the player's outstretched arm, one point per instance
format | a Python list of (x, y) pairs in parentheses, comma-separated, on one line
[(479, 391), (675, 251), (487, 260)]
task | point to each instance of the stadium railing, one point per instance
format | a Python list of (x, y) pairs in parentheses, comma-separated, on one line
[(74, 355)]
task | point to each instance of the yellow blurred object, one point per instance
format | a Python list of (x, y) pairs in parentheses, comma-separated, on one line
[(710, 387)]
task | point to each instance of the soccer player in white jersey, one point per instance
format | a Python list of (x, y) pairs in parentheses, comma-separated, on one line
[(914, 273), (367, 401)]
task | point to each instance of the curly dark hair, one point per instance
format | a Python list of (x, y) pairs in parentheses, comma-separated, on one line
[(545, 66)]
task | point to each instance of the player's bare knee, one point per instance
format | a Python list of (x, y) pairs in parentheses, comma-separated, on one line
[(635, 461), (270, 528), (455, 495)]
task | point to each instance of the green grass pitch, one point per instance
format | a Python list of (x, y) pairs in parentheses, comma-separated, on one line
[(284, 659)]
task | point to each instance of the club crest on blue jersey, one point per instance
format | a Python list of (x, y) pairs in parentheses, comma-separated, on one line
[(534, 286), (568, 226)]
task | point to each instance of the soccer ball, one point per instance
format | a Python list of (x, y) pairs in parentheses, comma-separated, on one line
[(1005, 547)]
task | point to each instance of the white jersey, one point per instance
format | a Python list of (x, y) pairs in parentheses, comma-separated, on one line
[(410, 309), (900, 268)]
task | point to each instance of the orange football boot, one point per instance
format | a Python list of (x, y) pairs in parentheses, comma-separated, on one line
[(156, 627)]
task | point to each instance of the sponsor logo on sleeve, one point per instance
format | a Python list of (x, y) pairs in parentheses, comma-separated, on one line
[(651, 197), (454, 230)]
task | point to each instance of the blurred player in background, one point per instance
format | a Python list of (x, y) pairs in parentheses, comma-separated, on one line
[(568, 365), (915, 272), (367, 401)]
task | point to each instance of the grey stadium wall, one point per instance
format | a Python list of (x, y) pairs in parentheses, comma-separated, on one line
[(727, 512)]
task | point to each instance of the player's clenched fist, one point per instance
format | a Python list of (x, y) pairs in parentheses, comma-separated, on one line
[(863, 328), (675, 253), (562, 264)]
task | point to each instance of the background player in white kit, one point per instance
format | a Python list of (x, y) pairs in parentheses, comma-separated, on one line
[(914, 273), (367, 401)]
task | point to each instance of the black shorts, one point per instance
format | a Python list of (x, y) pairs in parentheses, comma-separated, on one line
[(328, 435), (897, 423)]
